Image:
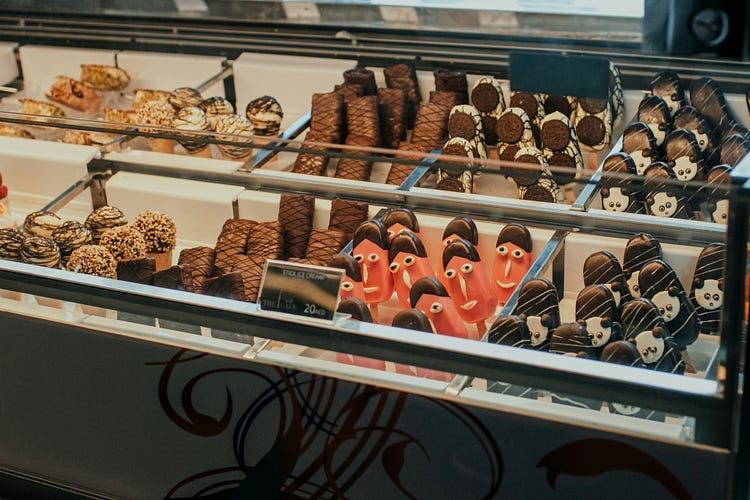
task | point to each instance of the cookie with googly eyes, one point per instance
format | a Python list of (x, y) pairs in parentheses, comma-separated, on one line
[(509, 330), (356, 308), (511, 261), (641, 249), (351, 285), (683, 154), (733, 149), (617, 195), (371, 253), (664, 199), (660, 284), (639, 143), (539, 306), (430, 296), (644, 326), (408, 262), (396, 220), (463, 228), (467, 282), (596, 308), (667, 85), (717, 202), (688, 118), (707, 290), (654, 112), (603, 268)]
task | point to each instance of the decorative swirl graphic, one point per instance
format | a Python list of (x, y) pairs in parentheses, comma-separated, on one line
[(304, 435)]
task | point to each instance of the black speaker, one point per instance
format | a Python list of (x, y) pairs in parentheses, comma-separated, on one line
[(686, 27)]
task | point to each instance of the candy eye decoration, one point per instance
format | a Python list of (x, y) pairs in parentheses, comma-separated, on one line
[(410, 260), (536, 335), (717, 297), (668, 204), (517, 253), (467, 268), (393, 267), (373, 257), (390, 233), (635, 289), (359, 257), (450, 273), (347, 286), (436, 307), (502, 250), (599, 335)]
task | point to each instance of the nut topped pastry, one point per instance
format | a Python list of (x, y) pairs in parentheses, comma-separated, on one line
[(93, 259), (235, 125), (77, 95), (34, 107), (265, 114), (103, 77), (13, 131), (158, 114), (193, 118), (184, 97), (71, 235), (41, 224), (40, 251), (158, 229), (10, 244), (142, 96), (103, 219), (124, 243)]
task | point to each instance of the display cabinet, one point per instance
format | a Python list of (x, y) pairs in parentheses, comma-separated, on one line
[(122, 389)]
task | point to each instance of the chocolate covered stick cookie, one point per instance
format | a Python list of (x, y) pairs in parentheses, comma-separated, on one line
[(139, 270), (266, 239), (514, 131), (362, 120), (232, 241), (709, 100), (487, 97), (464, 121), (641, 249), (707, 290), (327, 120), (654, 112), (324, 244), (593, 123), (393, 115), (177, 277), (295, 216), (690, 119), (616, 193), (445, 98), (532, 105), (452, 80), (536, 182), (228, 286), (251, 268), (201, 262), (354, 169), (312, 163), (539, 306), (363, 77), (346, 216), (400, 171), (639, 144), (430, 126), (404, 76), (663, 200), (349, 91)]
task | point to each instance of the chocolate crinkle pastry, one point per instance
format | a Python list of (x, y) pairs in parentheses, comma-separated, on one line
[(93, 259), (265, 114), (177, 277), (41, 224), (295, 216), (124, 243), (363, 77), (140, 270), (40, 251), (346, 216), (158, 230), (103, 219), (10, 244), (229, 286)]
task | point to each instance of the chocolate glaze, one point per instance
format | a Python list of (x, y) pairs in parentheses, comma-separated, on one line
[(509, 330), (463, 227), (372, 230), (659, 194), (621, 352), (689, 118), (720, 174), (176, 277), (640, 250), (706, 291), (733, 149), (571, 338), (402, 216), (137, 270), (412, 319), (460, 248), (10, 244), (603, 268), (228, 285), (709, 100), (517, 234), (667, 86), (356, 308), (681, 144), (350, 266), (426, 285), (406, 242), (638, 137)]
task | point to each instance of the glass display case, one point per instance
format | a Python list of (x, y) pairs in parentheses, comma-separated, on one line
[(527, 301)]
